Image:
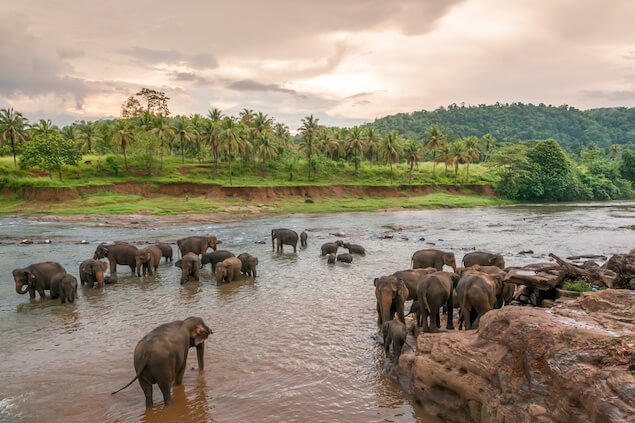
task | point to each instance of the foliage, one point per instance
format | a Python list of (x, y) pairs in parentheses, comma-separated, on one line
[(49, 151), (581, 285)]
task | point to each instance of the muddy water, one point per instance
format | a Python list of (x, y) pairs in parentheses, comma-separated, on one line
[(296, 344)]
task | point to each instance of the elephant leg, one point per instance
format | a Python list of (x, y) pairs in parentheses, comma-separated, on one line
[(396, 351), (147, 391), (178, 380), (378, 314), (435, 322), (40, 291), (32, 292), (294, 247), (113, 266), (400, 313), (166, 390), (465, 314), (196, 273), (424, 320), (387, 341), (449, 307)]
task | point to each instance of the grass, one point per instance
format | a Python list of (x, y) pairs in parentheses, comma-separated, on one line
[(581, 285), (628, 227)]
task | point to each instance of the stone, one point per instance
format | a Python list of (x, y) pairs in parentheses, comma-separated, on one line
[(526, 252)]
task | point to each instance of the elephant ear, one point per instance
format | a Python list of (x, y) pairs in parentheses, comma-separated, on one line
[(375, 281), (402, 291), (103, 265), (200, 334), (178, 263)]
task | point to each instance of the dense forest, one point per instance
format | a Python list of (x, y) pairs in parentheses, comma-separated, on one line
[(572, 128)]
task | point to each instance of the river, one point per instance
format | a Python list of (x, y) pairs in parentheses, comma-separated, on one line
[(296, 344)]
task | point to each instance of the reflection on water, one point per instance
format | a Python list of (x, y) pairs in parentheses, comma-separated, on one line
[(296, 344)]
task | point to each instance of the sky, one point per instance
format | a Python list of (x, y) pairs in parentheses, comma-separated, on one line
[(346, 62)]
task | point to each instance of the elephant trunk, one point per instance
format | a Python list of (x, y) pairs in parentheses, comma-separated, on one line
[(184, 275), (386, 304), (138, 264), (200, 349), (21, 288), (100, 279)]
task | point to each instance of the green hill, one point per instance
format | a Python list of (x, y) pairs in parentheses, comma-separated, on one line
[(572, 128)]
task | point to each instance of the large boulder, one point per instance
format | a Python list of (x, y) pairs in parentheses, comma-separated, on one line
[(571, 363)]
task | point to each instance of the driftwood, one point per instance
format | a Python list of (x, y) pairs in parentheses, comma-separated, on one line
[(594, 275), (623, 265)]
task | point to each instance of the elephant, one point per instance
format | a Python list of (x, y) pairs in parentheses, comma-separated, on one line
[(118, 253), (345, 258), (166, 250), (64, 286), (483, 259), (303, 238), (91, 271), (110, 279), (395, 333), (331, 259), (435, 290), (504, 291), (148, 258), (215, 257), (354, 248), (330, 247), (36, 277), (161, 356), (248, 264), (391, 293), (190, 265), (433, 258), (197, 244), (477, 295), (228, 270), (284, 236), (411, 277)]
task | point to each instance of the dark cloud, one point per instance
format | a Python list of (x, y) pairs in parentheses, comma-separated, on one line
[(250, 85), (619, 96), (189, 77), (154, 56)]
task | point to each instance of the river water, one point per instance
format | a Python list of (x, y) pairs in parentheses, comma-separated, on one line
[(296, 344)]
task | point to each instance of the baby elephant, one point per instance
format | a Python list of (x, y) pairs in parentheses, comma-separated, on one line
[(64, 286), (161, 356), (215, 257), (394, 333), (228, 270), (345, 258), (354, 248), (190, 265), (109, 280), (303, 237), (330, 247), (166, 250), (331, 258), (148, 258), (248, 264)]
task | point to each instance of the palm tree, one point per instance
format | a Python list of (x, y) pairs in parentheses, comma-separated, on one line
[(211, 133), (13, 128), (472, 152), (457, 151), (412, 151), (390, 149), (163, 129), (447, 158), (435, 136), (333, 144), (356, 143), (44, 127), (183, 133), (373, 140), (615, 150), (88, 134), (123, 136), (230, 138), (262, 123), (70, 132), (246, 116), (282, 133), (267, 148), (309, 131), (488, 142), (197, 133)]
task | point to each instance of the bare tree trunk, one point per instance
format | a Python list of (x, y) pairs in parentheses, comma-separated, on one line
[(230, 166), (390, 173), (15, 162), (434, 162), (125, 158)]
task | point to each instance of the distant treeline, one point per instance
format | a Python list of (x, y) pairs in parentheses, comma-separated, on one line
[(572, 128)]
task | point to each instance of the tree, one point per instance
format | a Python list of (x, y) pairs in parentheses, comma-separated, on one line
[(472, 153), (49, 150), (488, 142), (88, 135), (267, 147), (309, 131), (457, 151), (553, 169), (356, 143), (373, 140), (412, 151), (183, 132), (123, 136), (197, 134), (436, 139), (13, 129), (131, 108), (44, 127), (163, 129), (627, 166), (156, 101), (231, 139), (391, 149)]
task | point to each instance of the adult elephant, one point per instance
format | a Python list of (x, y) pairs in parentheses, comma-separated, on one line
[(119, 253), (215, 257), (91, 272), (161, 356), (477, 295), (166, 250), (197, 244), (354, 248), (330, 247), (148, 258), (391, 293), (434, 291), (190, 265), (412, 277), (36, 277), (504, 291), (284, 237), (433, 258), (483, 258)]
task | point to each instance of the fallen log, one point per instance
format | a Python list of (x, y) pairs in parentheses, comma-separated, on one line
[(594, 275)]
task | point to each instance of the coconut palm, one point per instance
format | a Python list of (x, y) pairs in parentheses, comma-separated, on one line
[(267, 147), (262, 123), (70, 132), (356, 143), (247, 116), (333, 145), (13, 129), (183, 133), (123, 136), (163, 129), (197, 134), (457, 151), (44, 127), (488, 142), (390, 149), (472, 152), (435, 140), (412, 151), (231, 139), (88, 135), (309, 131), (373, 140)]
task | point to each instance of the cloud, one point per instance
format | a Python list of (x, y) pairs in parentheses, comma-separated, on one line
[(249, 85), (189, 77), (156, 56)]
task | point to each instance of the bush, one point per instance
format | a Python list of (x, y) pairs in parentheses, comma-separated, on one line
[(114, 165), (581, 285)]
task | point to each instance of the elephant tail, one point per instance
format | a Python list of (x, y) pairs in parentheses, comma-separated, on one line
[(425, 303), (130, 383)]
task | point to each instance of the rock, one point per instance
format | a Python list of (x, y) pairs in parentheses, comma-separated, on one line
[(83, 241), (309, 201), (387, 236), (526, 252), (569, 363), (399, 228), (26, 242), (404, 237), (46, 241), (431, 243), (548, 303), (261, 242), (422, 239)]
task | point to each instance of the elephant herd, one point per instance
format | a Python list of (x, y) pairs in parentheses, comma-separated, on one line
[(52, 276), (474, 289)]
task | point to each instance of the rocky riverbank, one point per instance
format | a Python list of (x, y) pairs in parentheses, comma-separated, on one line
[(571, 363)]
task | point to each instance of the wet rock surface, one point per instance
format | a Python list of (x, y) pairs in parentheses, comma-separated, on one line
[(571, 363)]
